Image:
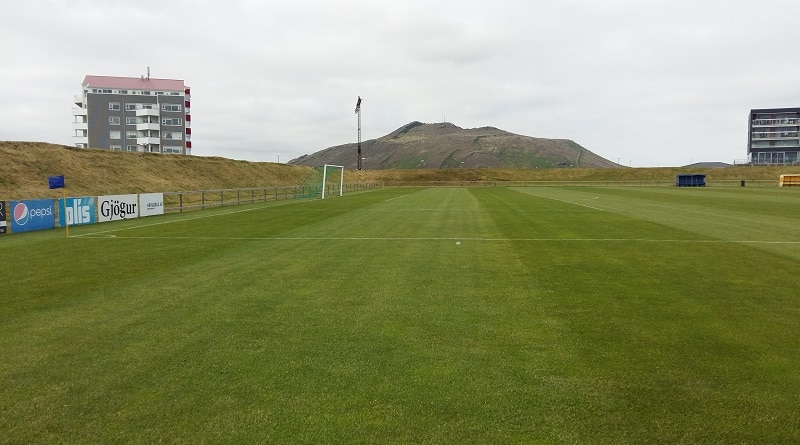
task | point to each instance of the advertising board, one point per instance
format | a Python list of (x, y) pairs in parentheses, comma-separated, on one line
[(32, 214), (117, 207), (79, 211), (2, 217), (151, 204)]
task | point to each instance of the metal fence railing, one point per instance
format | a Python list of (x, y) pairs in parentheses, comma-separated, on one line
[(201, 199)]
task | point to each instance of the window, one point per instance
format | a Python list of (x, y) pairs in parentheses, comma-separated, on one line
[(113, 106), (130, 121), (115, 147), (130, 106), (170, 107), (130, 148), (175, 135), (130, 135), (113, 120), (114, 134), (172, 149), (174, 121)]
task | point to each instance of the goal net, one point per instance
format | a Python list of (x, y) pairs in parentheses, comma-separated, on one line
[(330, 175), (321, 182)]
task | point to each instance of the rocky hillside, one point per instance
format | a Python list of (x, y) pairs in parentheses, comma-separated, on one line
[(444, 145)]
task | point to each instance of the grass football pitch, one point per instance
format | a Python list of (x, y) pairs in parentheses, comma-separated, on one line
[(431, 315)]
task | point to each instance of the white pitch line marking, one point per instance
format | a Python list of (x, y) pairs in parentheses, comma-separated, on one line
[(459, 239)]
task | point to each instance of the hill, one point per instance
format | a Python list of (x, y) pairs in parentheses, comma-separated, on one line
[(444, 145)]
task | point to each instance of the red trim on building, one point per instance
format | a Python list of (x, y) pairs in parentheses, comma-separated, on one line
[(134, 83)]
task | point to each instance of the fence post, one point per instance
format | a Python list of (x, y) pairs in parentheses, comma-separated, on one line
[(203, 199)]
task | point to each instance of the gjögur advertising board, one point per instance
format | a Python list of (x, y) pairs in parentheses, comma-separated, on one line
[(117, 207)]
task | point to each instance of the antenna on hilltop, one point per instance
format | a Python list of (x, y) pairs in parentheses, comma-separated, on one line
[(358, 112)]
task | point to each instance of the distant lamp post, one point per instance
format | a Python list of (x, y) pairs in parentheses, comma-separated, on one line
[(358, 112)]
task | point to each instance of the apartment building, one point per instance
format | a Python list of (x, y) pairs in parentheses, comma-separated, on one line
[(774, 136), (138, 114)]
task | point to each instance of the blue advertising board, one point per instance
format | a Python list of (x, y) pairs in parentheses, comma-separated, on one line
[(35, 214), (79, 211)]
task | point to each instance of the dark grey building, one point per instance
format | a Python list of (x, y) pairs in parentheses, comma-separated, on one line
[(774, 136), (133, 114)]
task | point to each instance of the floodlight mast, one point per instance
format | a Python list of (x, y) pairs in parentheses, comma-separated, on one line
[(358, 112)]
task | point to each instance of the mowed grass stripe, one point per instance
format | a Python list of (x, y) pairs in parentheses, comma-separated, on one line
[(323, 338), (766, 219)]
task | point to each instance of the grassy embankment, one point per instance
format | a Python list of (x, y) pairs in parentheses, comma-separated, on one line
[(26, 166)]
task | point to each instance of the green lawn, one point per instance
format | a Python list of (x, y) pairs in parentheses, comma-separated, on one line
[(438, 315)]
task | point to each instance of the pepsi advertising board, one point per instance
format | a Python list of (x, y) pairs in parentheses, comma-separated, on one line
[(79, 211), (2, 217), (35, 214)]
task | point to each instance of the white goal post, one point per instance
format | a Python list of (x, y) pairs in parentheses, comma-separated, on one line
[(325, 178)]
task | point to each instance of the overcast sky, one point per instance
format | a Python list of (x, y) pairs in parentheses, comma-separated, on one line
[(645, 83)]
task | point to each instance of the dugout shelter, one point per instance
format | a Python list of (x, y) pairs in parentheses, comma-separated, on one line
[(690, 180)]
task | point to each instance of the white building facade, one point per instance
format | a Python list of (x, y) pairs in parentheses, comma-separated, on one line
[(136, 114)]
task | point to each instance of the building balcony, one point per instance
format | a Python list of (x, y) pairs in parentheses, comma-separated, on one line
[(148, 126), (775, 122), (80, 141), (775, 136), (78, 100), (148, 141), (141, 112), (80, 126), (79, 111)]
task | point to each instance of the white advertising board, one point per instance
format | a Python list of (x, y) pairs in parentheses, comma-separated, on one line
[(117, 207), (151, 204)]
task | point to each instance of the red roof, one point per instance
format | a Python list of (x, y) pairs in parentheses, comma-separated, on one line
[(133, 83)]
